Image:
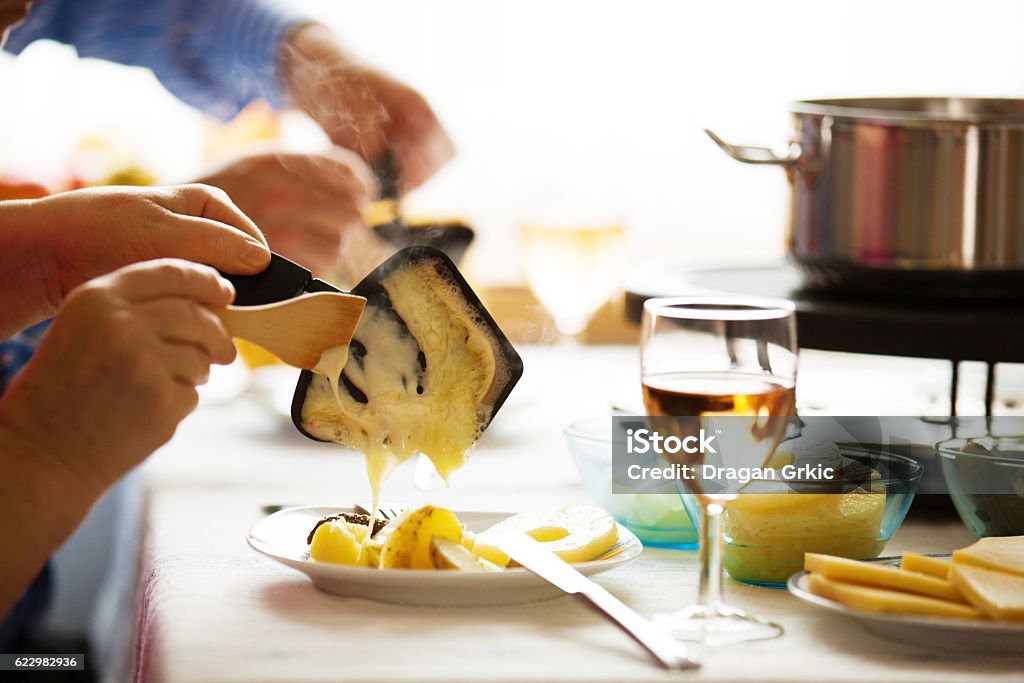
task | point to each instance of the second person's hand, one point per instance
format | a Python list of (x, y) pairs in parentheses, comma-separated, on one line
[(310, 206), (362, 108)]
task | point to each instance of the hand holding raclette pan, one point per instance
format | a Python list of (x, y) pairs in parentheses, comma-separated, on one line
[(411, 355), (452, 237)]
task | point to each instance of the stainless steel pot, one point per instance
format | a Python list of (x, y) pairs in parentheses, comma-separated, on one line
[(916, 195)]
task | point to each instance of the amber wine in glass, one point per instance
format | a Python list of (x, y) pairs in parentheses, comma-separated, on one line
[(704, 358)]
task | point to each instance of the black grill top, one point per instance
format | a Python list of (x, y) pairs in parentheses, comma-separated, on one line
[(964, 328)]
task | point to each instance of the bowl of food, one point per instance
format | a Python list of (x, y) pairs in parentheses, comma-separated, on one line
[(768, 528), (657, 519), (985, 478)]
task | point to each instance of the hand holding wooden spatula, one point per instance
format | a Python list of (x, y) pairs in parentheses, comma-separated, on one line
[(297, 330)]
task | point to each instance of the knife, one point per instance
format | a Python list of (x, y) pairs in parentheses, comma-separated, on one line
[(669, 652)]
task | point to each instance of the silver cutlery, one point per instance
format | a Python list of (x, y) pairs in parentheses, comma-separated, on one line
[(529, 553)]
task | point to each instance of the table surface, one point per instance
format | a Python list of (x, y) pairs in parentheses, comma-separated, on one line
[(211, 609)]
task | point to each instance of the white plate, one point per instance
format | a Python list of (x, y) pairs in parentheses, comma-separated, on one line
[(282, 537), (944, 633)]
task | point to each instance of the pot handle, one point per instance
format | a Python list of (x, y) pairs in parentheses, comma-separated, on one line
[(757, 155)]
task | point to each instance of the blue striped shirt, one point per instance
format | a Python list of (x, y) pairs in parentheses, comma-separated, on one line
[(216, 55)]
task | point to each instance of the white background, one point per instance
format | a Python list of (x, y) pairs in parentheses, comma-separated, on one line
[(598, 105)]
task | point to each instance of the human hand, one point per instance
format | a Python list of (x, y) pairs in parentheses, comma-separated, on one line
[(309, 206), (12, 13), (363, 109), (50, 246), (117, 370)]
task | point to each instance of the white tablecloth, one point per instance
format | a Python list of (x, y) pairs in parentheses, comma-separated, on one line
[(211, 609)]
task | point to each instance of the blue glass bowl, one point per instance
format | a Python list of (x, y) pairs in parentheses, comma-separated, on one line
[(767, 534), (657, 519), (985, 478)]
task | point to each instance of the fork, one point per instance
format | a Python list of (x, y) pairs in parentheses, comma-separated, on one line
[(385, 512)]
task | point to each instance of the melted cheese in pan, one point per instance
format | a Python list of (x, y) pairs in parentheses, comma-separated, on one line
[(331, 363), (440, 411)]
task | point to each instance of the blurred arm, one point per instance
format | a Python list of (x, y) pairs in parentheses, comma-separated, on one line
[(217, 55), (42, 504)]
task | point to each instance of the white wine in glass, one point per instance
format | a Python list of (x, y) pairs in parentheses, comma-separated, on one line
[(573, 270), (732, 360)]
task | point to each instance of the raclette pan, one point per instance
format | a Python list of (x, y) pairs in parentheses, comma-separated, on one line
[(284, 279)]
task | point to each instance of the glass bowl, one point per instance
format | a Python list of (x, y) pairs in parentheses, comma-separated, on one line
[(766, 534), (657, 519), (985, 478)]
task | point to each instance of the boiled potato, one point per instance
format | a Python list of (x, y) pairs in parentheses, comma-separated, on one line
[(407, 545), (341, 542)]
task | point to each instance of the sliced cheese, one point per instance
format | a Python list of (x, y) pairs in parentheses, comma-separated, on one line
[(923, 564), (881, 600), (871, 574), (1002, 553), (996, 594)]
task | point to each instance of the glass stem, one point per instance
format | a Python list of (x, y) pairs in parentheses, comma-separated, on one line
[(567, 352), (710, 587), (568, 342)]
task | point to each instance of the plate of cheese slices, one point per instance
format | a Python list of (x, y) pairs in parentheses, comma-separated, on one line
[(432, 556), (971, 599)]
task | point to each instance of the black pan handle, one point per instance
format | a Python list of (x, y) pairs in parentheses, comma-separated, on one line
[(282, 279), (386, 171)]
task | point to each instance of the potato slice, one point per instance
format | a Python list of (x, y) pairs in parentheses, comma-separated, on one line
[(448, 554), (407, 545)]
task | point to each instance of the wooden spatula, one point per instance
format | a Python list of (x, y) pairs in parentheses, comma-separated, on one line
[(300, 329)]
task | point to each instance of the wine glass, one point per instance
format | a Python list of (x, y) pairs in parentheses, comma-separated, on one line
[(573, 269), (730, 363)]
